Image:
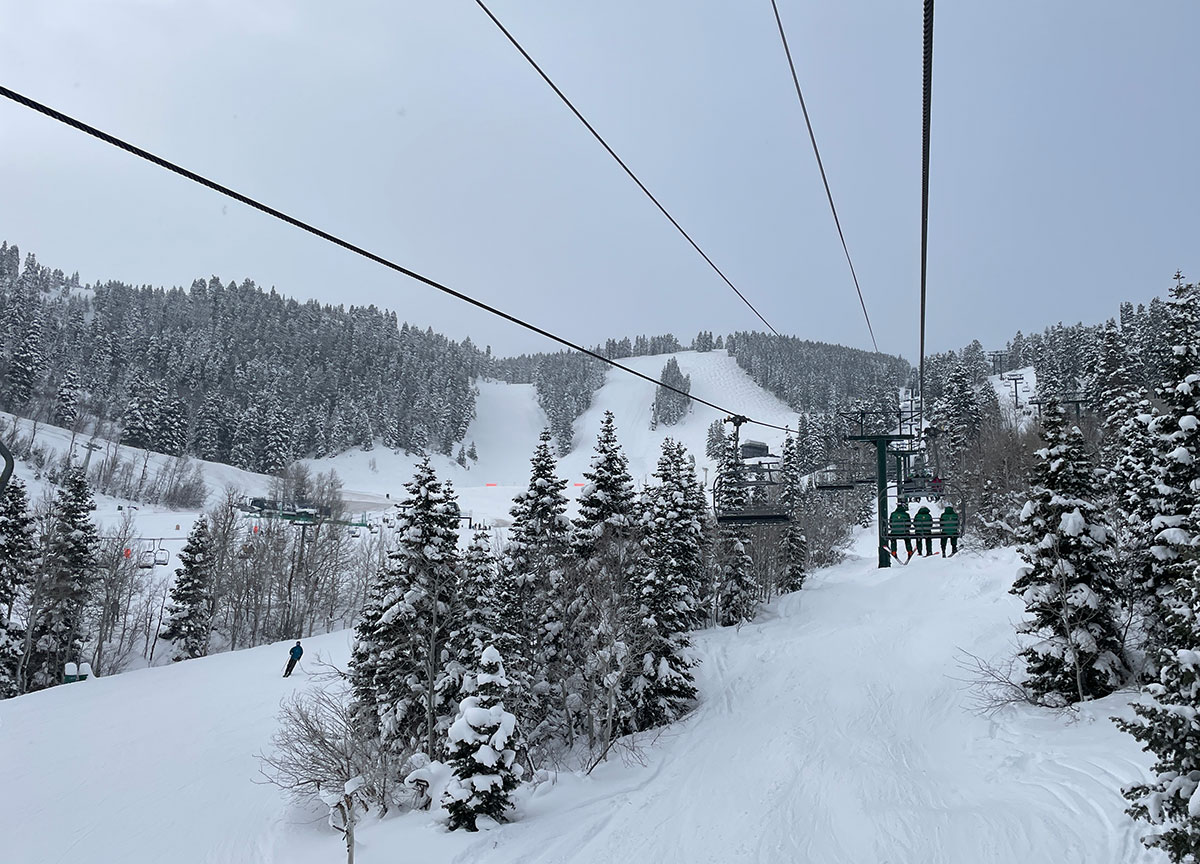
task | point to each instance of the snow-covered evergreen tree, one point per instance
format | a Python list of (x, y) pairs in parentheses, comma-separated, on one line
[(477, 593), (66, 401), (398, 659), (1075, 652), (794, 542), (483, 743), (26, 363), (1170, 729), (1177, 441), (607, 555), (189, 625), (531, 596), (140, 419), (18, 559), (669, 406), (715, 443), (665, 591), (737, 591), (69, 565)]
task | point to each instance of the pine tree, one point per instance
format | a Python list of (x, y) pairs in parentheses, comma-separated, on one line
[(18, 560), (1168, 728), (398, 660), (530, 597), (69, 564), (715, 444), (66, 403), (477, 592), (737, 590), (607, 555), (140, 420), (793, 543), (1068, 585), (26, 363), (665, 591), (483, 743), (171, 434), (189, 626), (669, 406), (1177, 441)]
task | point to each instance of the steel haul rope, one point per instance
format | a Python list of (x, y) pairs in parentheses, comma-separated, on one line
[(821, 165), (345, 244)]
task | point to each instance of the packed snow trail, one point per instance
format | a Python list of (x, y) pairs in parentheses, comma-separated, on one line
[(831, 730)]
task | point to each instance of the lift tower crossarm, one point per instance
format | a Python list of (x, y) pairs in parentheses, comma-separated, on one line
[(881, 443)]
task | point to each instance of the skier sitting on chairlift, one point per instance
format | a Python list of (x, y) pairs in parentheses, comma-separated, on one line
[(900, 523), (923, 526), (949, 529)]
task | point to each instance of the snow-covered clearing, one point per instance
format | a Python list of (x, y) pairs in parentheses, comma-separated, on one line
[(833, 729)]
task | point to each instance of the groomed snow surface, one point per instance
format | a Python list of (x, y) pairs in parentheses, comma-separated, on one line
[(832, 729)]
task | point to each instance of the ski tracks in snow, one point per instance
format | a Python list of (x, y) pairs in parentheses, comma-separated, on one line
[(834, 730)]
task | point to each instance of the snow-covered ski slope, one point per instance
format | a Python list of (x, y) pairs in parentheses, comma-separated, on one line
[(508, 421), (831, 730), (505, 431)]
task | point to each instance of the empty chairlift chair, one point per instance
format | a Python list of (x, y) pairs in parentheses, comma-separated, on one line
[(749, 493)]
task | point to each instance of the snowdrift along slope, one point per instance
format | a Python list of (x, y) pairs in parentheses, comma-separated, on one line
[(831, 730)]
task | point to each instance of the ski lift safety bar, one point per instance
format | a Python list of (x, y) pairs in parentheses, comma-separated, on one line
[(7, 470)]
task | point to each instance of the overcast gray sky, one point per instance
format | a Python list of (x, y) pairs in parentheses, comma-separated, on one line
[(1065, 175)]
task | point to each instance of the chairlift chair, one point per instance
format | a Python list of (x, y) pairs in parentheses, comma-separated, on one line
[(146, 559), (756, 485), (161, 557), (947, 497)]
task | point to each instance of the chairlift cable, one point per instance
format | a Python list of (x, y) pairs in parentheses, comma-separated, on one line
[(821, 165), (347, 245), (927, 57), (562, 96)]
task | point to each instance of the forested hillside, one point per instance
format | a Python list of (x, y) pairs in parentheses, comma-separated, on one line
[(815, 376), (226, 371)]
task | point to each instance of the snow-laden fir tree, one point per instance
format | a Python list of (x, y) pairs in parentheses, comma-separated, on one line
[(189, 622), (531, 594), (737, 591), (479, 616), (669, 405), (958, 413), (662, 683), (1170, 729), (601, 623), (66, 401), (399, 653), (1130, 484), (1177, 441), (1074, 650), (58, 625), (715, 442), (26, 363), (483, 742), (18, 561), (793, 543), (140, 419)]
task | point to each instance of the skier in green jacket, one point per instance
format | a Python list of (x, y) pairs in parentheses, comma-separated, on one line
[(900, 523), (923, 525), (950, 529)]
